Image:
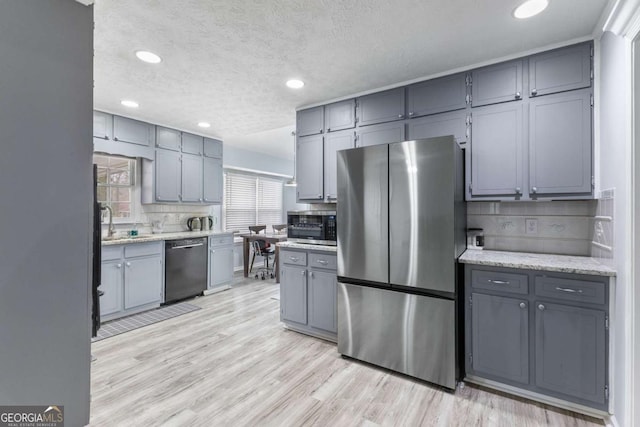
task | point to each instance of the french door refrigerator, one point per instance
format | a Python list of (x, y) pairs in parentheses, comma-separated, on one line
[(401, 230)]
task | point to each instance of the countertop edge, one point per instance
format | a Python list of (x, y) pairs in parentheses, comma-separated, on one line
[(307, 246), (164, 236)]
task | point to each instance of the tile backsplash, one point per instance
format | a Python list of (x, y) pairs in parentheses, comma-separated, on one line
[(558, 227)]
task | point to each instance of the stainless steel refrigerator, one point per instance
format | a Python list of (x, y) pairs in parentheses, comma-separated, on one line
[(401, 230)]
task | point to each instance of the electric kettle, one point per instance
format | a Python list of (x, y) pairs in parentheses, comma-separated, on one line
[(206, 222), (194, 224)]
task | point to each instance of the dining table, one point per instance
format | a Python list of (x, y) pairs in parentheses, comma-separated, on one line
[(272, 238)]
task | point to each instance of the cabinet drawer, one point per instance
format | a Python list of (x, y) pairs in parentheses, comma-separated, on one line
[(295, 258), (142, 249), (323, 261), (111, 252), (570, 289), (220, 240), (500, 281)]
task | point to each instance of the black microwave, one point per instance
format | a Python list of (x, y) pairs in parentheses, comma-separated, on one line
[(315, 227)]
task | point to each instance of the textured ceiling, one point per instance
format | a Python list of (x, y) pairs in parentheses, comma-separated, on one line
[(226, 62)]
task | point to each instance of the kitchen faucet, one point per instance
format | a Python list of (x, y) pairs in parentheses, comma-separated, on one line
[(111, 230)]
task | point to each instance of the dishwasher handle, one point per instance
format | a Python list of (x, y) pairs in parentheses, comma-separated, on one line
[(187, 246)]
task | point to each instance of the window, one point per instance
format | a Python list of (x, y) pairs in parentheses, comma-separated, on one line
[(116, 176), (251, 200)]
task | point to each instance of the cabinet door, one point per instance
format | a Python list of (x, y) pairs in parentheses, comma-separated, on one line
[(191, 178), (310, 122), (192, 144), (500, 338), (560, 144), (132, 131), (453, 123), (167, 138), (309, 167), (332, 143), (496, 150), (142, 281), (167, 170), (293, 294), (497, 83), (384, 133), (212, 180), (340, 115), (212, 148), (322, 300), (102, 125), (220, 266), (381, 107), (560, 70), (111, 285), (570, 351), (437, 96)]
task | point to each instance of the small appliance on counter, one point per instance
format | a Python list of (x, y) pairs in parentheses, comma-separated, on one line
[(206, 222), (194, 224), (475, 238), (314, 227), (157, 225)]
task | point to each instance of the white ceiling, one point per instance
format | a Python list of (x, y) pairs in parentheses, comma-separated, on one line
[(226, 61)]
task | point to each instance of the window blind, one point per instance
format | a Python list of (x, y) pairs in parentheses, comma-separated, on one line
[(269, 201), (251, 200)]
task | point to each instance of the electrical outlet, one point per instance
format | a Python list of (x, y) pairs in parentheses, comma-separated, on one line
[(531, 225)]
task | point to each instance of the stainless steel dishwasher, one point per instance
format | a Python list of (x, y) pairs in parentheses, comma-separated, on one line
[(185, 268)]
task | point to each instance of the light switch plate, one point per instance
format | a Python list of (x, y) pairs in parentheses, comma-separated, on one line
[(531, 225)]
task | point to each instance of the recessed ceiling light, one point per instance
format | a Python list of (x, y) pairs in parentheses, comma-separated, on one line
[(129, 103), (147, 56), (295, 84), (530, 8), (204, 125)]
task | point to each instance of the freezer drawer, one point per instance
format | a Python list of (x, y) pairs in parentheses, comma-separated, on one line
[(408, 333)]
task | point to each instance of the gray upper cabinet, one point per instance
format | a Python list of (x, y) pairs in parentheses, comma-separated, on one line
[(500, 337), (334, 142), (381, 107), (132, 131), (167, 176), (167, 138), (560, 148), (102, 125), (570, 351), (340, 115), (453, 123), (383, 133), (192, 144), (213, 148), (322, 287), (437, 96), (309, 167), (497, 83), (293, 291), (212, 186), (310, 121), (497, 151), (191, 178), (560, 70)]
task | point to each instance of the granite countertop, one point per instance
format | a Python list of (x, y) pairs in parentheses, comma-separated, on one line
[(162, 236), (531, 261), (307, 246)]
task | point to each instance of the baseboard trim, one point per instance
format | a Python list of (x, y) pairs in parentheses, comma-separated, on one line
[(216, 290)]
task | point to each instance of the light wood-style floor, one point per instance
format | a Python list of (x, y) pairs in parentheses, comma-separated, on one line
[(233, 364)]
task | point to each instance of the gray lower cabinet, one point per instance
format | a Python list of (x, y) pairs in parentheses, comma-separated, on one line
[(310, 121), (192, 178), (340, 115), (380, 107), (167, 176), (212, 190), (132, 131), (334, 142), (220, 261), (453, 123), (131, 279), (439, 95), (383, 133), (559, 70), (497, 83), (168, 139), (308, 287), (543, 332), (309, 168), (560, 146)]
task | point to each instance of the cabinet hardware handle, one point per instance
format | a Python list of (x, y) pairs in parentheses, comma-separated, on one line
[(499, 282), (320, 130), (541, 307), (319, 196), (303, 272), (572, 291), (328, 129), (311, 274), (128, 264), (401, 116), (518, 190), (323, 262), (534, 190), (523, 305), (106, 137), (411, 113), (518, 95), (200, 199), (534, 92), (118, 265), (115, 138), (294, 259)]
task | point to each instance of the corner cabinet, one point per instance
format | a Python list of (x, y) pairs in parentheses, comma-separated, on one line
[(545, 333), (308, 292)]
